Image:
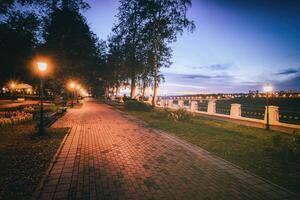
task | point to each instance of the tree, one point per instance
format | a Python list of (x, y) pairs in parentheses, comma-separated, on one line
[(128, 29), (115, 73), (164, 20), (6, 5), (18, 39), (72, 46)]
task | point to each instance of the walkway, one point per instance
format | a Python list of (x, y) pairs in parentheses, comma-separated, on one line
[(110, 156)]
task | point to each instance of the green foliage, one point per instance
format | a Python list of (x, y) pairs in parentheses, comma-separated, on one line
[(18, 39), (134, 105), (73, 47), (179, 115), (143, 33)]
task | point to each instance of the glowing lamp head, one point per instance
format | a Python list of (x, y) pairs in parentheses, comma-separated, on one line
[(42, 66), (268, 88), (12, 85), (72, 85)]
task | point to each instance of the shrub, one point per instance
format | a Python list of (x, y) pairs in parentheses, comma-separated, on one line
[(137, 106), (180, 115), (12, 118)]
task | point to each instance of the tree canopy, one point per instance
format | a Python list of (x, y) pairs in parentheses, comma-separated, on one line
[(146, 29), (134, 54)]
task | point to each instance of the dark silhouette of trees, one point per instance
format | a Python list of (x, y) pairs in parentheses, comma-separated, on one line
[(61, 34), (18, 39), (75, 51)]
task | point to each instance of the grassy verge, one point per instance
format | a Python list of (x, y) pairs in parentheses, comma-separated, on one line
[(24, 158), (272, 155)]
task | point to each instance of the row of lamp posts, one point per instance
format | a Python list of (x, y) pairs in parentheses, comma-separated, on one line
[(42, 67)]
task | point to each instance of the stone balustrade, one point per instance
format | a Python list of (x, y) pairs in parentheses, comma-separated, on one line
[(235, 112)]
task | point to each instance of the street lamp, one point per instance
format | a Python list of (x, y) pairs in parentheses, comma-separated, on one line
[(267, 89), (77, 92), (12, 87), (42, 67), (72, 86)]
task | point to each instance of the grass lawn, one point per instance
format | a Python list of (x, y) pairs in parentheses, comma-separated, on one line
[(272, 155), (24, 158)]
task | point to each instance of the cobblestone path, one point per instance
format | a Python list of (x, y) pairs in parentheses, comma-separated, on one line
[(110, 156)]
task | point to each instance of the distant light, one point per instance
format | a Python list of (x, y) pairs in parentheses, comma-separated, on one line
[(12, 85), (268, 88), (42, 66)]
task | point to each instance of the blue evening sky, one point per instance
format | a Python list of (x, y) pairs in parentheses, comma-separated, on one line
[(237, 45)]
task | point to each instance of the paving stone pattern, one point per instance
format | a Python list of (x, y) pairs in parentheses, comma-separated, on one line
[(110, 156)]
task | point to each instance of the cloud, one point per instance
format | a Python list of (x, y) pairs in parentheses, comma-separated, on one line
[(220, 66), (288, 71), (200, 76), (215, 67), (293, 83), (184, 86), (194, 76)]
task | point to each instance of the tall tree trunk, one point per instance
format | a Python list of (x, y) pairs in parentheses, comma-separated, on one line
[(155, 84), (155, 69), (143, 90), (133, 85), (155, 87), (117, 89), (106, 92)]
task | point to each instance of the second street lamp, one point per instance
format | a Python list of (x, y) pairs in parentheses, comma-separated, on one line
[(42, 67), (267, 89), (72, 86), (77, 92)]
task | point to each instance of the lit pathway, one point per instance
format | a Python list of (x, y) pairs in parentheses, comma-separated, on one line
[(109, 156)]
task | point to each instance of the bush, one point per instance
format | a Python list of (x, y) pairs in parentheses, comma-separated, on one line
[(180, 115), (134, 105)]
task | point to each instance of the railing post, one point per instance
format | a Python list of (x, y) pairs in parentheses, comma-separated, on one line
[(170, 103), (273, 115), (194, 106), (211, 107), (180, 103), (235, 110)]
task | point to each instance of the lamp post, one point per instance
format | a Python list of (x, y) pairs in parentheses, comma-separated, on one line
[(42, 67), (12, 86), (72, 86), (267, 89), (77, 92)]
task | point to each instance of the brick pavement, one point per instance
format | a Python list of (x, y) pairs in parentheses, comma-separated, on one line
[(110, 156)]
